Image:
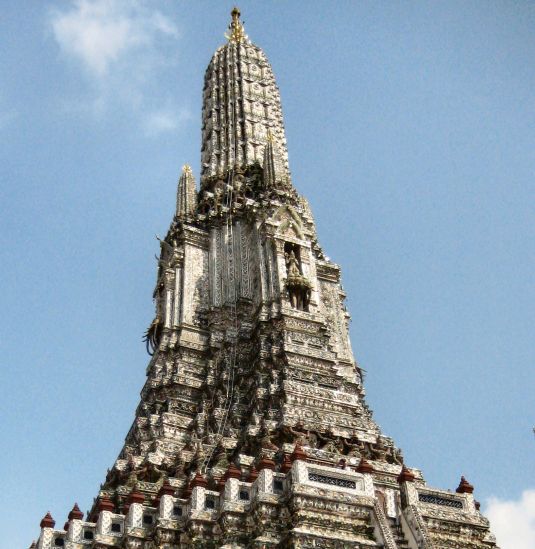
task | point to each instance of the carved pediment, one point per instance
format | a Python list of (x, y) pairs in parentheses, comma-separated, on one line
[(290, 223)]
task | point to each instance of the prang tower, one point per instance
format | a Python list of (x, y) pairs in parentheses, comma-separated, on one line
[(252, 430)]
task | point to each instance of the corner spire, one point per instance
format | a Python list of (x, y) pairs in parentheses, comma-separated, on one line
[(237, 32), (274, 172), (186, 197)]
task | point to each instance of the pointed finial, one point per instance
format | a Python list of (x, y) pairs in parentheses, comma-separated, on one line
[(286, 464), (48, 521), (75, 513), (136, 497), (186, 198), (237, 32), (272, 164), (253, 474), (166, 489), (465, 487), (105, 504), (298, 453), (199, 480), (406, 475), (232, 472), (365, 467)]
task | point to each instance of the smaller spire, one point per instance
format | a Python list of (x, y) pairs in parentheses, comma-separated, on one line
[(273, 168), (186, 196), (237, 32)]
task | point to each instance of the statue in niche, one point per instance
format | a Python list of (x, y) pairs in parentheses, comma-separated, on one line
[(298, 286)]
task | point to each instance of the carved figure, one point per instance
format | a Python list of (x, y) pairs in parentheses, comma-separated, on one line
[(297, 285), (153, 335), (380, 450), (353, 449)]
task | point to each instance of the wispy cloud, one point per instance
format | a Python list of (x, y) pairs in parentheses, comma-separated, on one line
[(121, 46), (165, 120), (513, 521), (103, 33)]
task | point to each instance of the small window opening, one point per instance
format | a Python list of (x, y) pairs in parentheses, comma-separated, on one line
[(209, 503), (88, 534), (116, 527), (148, 519), (177, 511), (244, 494), (278, 485)]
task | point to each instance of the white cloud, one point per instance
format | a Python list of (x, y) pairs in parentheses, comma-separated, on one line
[(122, 48), (513, 522), (101, 33)]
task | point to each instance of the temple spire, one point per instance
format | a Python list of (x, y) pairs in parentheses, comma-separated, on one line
[(241, 103), (186, 197)]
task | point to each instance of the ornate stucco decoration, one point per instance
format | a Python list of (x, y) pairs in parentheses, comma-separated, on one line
[(252, 430)]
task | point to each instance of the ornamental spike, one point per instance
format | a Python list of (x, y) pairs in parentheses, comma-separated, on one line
[(47, 521), (273, 168), (236, 30), (186, 198), (75, 513)]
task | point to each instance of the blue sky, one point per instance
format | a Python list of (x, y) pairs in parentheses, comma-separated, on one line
[(411, 130)]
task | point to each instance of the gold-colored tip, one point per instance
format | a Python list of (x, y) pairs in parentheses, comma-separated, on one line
[(186, 169), (235, 13), (237, 32)]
